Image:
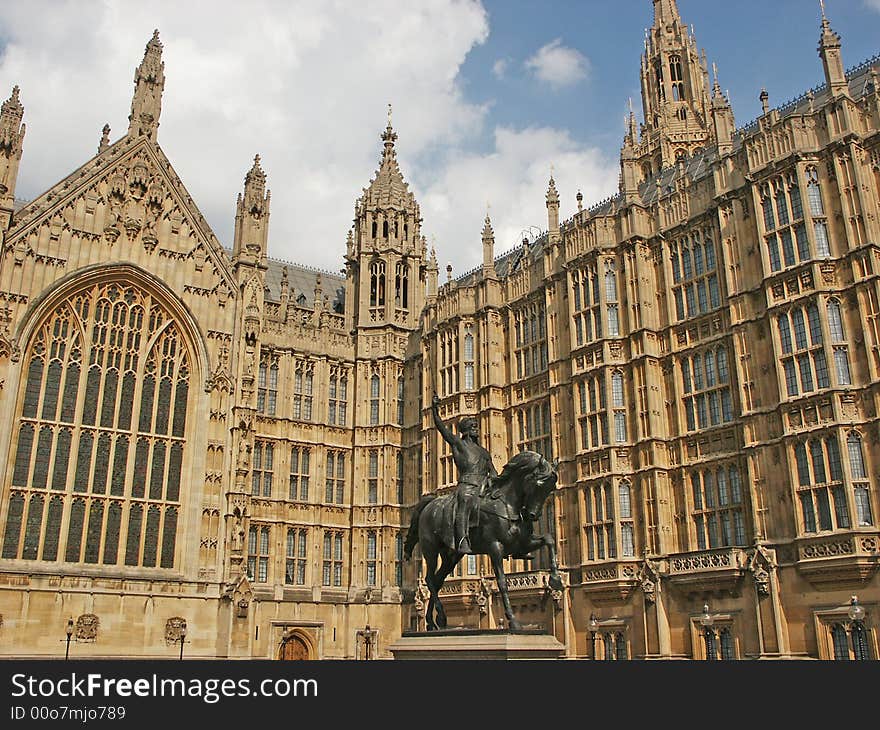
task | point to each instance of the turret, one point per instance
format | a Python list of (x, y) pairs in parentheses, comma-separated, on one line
[(251, 237), (675, 93), (829, 52), (11, 138), (385, 255), (552, 212), (488, 249), (723, 124)]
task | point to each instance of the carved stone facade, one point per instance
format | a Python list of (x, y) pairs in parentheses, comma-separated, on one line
[(198, 436)]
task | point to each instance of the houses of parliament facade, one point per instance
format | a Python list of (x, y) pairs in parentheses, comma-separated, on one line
[(204, 445)]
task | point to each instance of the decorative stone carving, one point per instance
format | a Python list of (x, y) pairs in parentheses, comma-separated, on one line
[(649, 577), (87, 627), (174, 627), (760, 562)]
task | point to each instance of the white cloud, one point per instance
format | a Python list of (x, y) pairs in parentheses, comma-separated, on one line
[(306, 86), (513, 180), (499, 68), (303, 84), (558, 65), (873, 4)]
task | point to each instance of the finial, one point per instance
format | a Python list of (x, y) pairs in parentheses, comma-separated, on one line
[(449, 271), (580, 200), (764, 97), (551, 170), (105, 139), (389, 115), (822, 8), (630, 104)]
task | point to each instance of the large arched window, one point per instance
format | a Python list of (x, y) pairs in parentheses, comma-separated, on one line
[(99, 437)]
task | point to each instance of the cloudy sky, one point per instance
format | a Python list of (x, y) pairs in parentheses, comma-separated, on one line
[(486, 96)]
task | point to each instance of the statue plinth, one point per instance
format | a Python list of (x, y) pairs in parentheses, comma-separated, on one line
[(469, 644)]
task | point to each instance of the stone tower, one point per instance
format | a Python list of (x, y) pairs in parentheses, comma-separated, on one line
[(675, 92)]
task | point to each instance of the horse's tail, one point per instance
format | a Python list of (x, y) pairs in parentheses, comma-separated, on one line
[(412, 536)]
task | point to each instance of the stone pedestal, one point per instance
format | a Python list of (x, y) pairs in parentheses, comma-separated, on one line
[(472, 644)]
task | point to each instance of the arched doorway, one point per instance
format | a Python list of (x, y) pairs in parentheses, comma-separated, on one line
[(294, 647)]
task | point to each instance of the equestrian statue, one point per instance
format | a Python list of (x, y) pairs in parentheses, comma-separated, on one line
[(489, 514)]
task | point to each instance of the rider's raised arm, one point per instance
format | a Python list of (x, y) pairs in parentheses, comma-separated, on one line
[(448, 436)]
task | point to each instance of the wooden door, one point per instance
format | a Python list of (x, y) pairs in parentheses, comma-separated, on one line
[(294, 648)]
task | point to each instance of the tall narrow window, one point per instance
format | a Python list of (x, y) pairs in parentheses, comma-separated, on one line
[(374, 400), (267, 385), (92, 466), (400, 401), (859, 474), (377, 288), (303, 382), (295, 565), (335, 477), (371, 558), (338, 397), (373, 478), (624, 510), (468, 359), (258, 553), (299, 474), (401, 286), (262, 469)]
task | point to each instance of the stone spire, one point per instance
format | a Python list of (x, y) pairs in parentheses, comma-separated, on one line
[(488, 249), (723, 123), (252, 217), (832, 61), (552, 210), (666, 13), (11, 138), (149, 81), (432, 271), (675, 91)]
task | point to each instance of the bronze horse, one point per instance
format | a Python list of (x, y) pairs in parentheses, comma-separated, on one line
[(505, 528)]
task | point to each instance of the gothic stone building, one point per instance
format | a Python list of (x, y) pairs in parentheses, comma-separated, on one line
[(207, 438)]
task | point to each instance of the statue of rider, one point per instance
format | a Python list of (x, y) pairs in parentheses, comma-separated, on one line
[(475, 471)]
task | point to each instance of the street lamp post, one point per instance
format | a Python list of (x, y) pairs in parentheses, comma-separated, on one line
[(706, 621), (856, 616), (594, 628), (182, 640), (69, 637)]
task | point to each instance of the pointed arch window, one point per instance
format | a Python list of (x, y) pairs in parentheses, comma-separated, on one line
[(100, 439), (468, 358), (401, 285), (377, 284), (676, 77), (859, 474), (338, 396)]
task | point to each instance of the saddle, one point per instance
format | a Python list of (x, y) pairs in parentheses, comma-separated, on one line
[(450, 509)]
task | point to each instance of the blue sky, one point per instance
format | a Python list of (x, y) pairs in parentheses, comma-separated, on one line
[(486, 96)]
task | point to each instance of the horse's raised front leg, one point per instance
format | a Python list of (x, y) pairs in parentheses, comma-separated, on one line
[(547, 541), (496, 553)]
